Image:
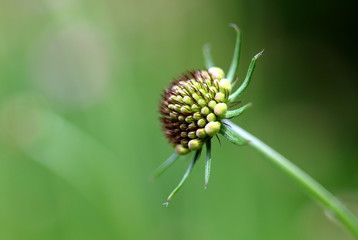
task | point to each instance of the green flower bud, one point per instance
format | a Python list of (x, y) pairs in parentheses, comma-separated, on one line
[(181, 150), (202, 102), (190, 119), (213, 90), (195, 144), (216, 72), (220, 109), (205, 111), (212, 104), (211, 117), (224, 85), (196, 97), (220, 97), (185, 109), (188, 100), (177, 107), (192, 126), (212, 128), (179, 98), (200, 133), (192, 135), (184, 142), (195, 107), (171, 106), (202, 91), (197, 116), (173, 115), (201, 122), (183, 134)]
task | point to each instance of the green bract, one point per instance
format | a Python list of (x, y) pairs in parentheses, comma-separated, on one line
[(194, 106)]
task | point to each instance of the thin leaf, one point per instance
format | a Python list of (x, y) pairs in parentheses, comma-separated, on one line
[(247, 78), (207, 163), (187, 173), (235, 59), (237, 112), (209, 62), (230, 135), (165, 165)]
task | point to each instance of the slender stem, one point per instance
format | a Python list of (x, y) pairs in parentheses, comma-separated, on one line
[(314, 189)]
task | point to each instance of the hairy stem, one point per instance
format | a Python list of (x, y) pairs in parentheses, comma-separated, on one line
[(313, 188)]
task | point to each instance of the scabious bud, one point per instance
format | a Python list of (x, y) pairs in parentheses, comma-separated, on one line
[(192, 108)]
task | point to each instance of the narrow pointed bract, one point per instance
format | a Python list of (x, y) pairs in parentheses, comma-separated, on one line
[(209, 62), (246, 82), (233, 138), (165, 165), (207, 163), (186, 175), (236, 57), (237, 112)]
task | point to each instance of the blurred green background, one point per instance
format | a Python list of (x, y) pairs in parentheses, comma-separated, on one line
[(80, 83)]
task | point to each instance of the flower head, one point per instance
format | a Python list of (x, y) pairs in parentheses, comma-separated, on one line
[(193, 107)]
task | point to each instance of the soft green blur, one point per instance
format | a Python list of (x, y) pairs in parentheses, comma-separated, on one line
[(80, 83)]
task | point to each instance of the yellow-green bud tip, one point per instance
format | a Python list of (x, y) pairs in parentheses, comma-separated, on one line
[(220, 109), (220, 97), (200, 133), (194, 144), (180, 149), (225, 84), (212, 128), (211, 117), (216, 73)]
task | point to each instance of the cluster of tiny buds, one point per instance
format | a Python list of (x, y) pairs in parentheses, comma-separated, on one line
[(193, 107)]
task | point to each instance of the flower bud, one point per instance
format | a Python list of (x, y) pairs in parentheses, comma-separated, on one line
[(197, 116), (224, 85), (211, 117), (220, 97), (188, 100), (192, 135), (216, 72), (194, 144), (181, 150), (212, 104), (220, 109), (205, 111), (201, 122), (200, 133), (202, 102), (190, 119), (212, 128), (185, 109)]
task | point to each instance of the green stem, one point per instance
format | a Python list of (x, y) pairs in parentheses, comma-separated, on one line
[(314, 189)]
